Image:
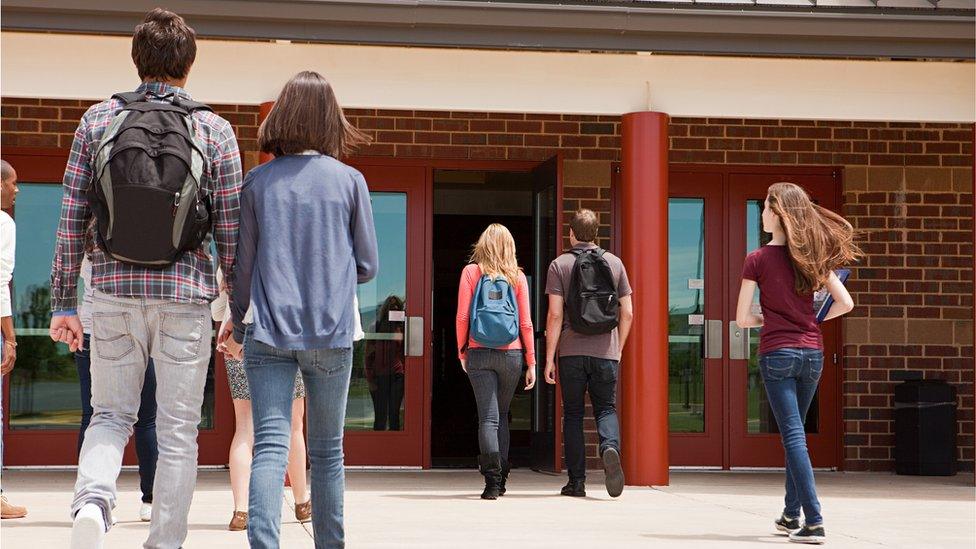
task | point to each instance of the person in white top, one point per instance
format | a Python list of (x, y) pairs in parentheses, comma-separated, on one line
[(242, 445), (8, 240)]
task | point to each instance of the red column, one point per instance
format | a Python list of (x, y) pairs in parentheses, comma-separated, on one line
[(265, 111), (644, 246)]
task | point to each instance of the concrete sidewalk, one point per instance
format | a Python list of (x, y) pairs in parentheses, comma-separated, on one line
[(441, 509)]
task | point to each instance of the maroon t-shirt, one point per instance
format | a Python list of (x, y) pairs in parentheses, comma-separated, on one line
[(788, 317)]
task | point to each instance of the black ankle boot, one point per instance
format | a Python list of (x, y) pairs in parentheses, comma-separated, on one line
[(574, 488), (491, 468), (506, 468)]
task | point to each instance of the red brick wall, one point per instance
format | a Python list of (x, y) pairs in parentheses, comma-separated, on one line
[(907, 187)]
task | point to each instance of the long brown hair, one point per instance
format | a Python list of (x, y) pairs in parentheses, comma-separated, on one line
[(495, 254), (307, 116), (818, 240)]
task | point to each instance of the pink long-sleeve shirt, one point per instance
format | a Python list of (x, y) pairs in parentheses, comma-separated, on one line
[(526, 340)]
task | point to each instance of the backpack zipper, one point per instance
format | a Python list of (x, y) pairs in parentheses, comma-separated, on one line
[(176, 202)]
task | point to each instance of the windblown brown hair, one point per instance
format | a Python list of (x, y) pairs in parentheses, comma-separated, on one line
[(307, 116), (163, 46), (818, 240)]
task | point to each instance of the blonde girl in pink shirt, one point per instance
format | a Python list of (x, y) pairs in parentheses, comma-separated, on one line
[(495, 371)]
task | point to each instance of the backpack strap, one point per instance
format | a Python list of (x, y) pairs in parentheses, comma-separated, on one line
[(191, 106), (130, 97), (474, 298)]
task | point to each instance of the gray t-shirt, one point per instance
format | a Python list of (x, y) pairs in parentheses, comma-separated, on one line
[(606, 346)]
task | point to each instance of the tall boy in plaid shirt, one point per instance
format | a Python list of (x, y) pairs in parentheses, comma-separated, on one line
[(140, 313)]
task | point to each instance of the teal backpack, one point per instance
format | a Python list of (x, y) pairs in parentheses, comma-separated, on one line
[(494, 319)]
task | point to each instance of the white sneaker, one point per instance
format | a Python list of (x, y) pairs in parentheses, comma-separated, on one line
[(88, 529), (145, 512)]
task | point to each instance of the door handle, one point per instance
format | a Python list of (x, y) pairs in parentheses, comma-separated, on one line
[(713, 339), (414, 334), (738, 342)]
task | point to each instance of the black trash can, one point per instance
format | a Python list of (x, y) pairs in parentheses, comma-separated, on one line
[(925, 428)]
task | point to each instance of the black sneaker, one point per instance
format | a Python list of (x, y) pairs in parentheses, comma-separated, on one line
[(787, 525), (574, 488), (613, 471), (809, 534)]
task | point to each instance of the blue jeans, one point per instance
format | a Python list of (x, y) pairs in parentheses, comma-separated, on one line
[(145, 427), (597, 376), (791, 377), (271, 377)]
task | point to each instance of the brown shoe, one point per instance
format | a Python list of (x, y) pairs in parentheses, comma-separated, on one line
[(11, 511), (238, 522), (303, 511)]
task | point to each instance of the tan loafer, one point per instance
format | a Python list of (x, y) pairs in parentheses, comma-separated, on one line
[(238, 522), (10, 511), (303, 511)]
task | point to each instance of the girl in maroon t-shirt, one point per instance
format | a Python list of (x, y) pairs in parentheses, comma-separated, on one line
[(808, 243)]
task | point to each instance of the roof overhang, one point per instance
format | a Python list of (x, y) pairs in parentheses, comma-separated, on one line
[(728, 29)]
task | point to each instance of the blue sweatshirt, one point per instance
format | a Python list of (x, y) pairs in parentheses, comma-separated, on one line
[(306, 239)]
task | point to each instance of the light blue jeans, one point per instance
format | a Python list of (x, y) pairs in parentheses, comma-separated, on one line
[(791, 377), (271, 377)]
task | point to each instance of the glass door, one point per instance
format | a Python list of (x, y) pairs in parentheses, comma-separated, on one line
[(546, 408), (754, 435), (384, 413), (42, 397), (695, 340)]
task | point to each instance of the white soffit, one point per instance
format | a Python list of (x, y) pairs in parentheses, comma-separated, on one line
[(36, 65)]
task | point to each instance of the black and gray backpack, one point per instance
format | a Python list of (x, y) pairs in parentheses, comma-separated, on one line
[(592, 304), (146, 192)]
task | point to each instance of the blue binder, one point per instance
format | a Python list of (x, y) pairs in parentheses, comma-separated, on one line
[(822, 300)]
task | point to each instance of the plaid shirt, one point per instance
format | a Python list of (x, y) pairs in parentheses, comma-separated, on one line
[(189, 280)]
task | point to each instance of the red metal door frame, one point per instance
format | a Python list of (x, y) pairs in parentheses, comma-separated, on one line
[(428, 165), (765, 450), (409, 446), (46, 165), (706, 448)]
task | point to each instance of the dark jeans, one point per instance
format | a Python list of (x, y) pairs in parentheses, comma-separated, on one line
[(577, 375), (791, 377), (494, 375), (144, 428), (387, 398)]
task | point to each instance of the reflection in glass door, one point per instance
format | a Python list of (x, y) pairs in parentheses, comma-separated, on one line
[(384, 412), (43, 398), (377, 385), (695, 319)]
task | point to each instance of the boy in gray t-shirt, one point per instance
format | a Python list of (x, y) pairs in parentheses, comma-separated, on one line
[(587, 363)]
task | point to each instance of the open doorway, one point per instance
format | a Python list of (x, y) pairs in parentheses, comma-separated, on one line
[(465, 202)]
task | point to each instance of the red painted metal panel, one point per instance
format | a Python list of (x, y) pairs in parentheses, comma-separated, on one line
[(644, 250)]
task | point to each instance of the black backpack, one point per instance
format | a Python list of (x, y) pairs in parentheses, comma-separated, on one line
[(146, 192), (592, 304)]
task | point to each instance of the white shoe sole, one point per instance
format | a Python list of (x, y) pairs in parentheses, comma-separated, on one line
[(86, 533), (819, 540)]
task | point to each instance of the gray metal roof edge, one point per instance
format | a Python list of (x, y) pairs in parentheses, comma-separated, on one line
[(528, 26)]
